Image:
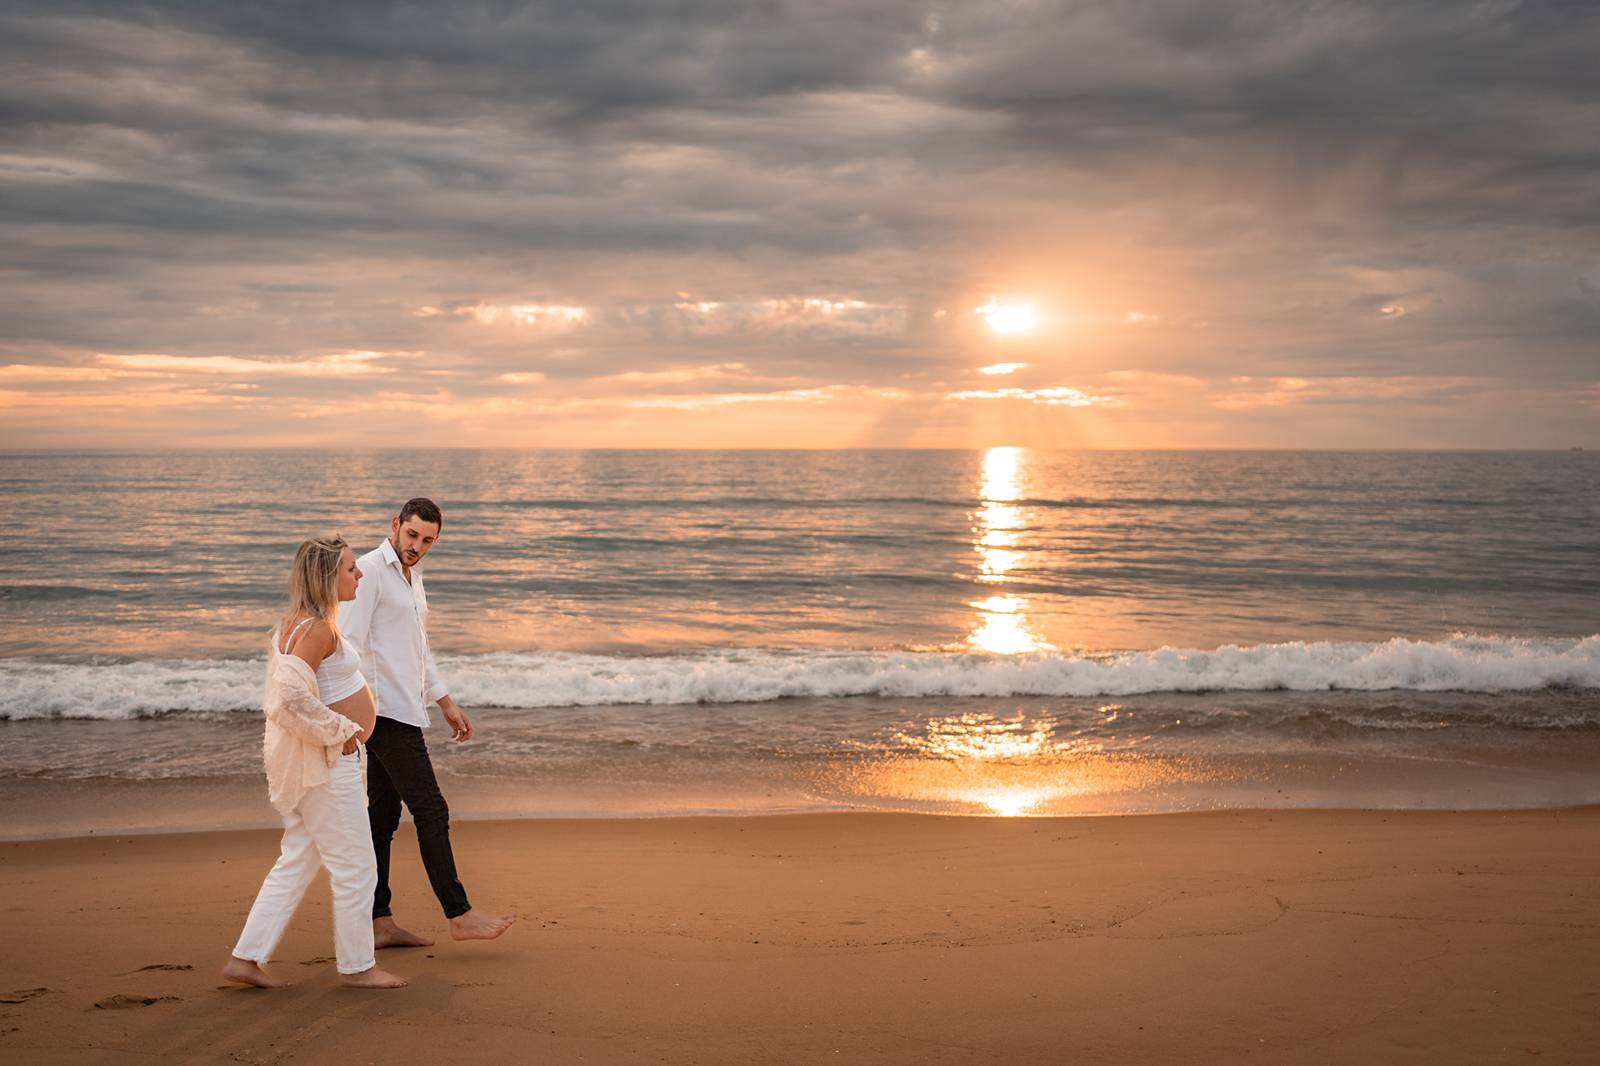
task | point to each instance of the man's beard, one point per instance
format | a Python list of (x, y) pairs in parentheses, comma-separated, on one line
[(406, 555)]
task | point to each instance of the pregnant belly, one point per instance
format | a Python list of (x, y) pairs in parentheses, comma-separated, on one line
[(359, 707)]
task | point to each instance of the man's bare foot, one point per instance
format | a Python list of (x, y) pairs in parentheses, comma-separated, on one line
[(250, 973), (372, 978), (386, 934), (475, 926)]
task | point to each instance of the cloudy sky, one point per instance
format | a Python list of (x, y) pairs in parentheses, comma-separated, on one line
[(821, 223)]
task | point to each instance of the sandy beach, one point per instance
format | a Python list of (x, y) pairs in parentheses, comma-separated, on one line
[(1274, 937), (1024, 534)]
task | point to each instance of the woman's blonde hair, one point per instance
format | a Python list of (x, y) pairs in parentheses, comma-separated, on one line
[(314, 583)]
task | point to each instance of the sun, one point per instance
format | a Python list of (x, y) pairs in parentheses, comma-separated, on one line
[(1009, 319)]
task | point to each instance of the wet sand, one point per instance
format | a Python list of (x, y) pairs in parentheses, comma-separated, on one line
[(1265, 936)]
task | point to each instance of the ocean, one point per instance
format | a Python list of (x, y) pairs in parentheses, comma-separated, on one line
[(1006, 631)]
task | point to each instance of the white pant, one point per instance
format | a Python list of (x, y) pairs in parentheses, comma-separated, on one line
[(329, 828)]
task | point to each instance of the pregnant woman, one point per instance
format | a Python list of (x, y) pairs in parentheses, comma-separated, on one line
[(317, 707)]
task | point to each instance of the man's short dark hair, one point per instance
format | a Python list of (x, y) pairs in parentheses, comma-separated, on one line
[(423, 508)]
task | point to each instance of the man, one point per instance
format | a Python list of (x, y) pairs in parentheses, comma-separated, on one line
[(387, 624)]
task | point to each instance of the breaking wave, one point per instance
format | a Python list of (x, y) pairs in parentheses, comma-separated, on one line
[(34, 688)]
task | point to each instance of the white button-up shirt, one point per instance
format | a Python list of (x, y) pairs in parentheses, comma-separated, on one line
[(387, 623)]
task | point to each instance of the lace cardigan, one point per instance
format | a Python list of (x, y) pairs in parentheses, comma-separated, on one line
[(303, 737)]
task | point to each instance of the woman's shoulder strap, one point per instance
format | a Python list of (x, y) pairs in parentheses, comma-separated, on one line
[(287, 645)]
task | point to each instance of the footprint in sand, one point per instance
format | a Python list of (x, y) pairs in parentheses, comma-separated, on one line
[(320, 960), (122, 1001), (22, 995), (162, 966)]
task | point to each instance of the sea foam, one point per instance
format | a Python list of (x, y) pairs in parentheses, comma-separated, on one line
[(31, 688)]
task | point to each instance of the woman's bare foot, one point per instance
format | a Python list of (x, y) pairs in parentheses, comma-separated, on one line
[(250, 973), (372, 977), (386, 934), (475, 926)]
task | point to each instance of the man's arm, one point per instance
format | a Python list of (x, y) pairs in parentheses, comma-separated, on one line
[(433, 689), (435, 692)]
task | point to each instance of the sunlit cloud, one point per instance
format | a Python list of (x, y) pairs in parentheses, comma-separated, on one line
[(846, 315), (1141, 318), (675, 376), (22, 373), (699, 307), (439, 405), (1002, 368), (1129, 381), (546, 314), (44, 167), (1392, 311), (921, 62), (337, 364), (818, 318), (730, 399), (522, 377), (1270, 392), (447, 311), (830, 307), (1248, 393), (1056, 396), (120, 400), (528, 314)]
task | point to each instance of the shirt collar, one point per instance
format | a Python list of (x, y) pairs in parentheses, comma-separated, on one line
[(389, 554)]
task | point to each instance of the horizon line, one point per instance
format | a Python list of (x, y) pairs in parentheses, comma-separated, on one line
[(138, 449)]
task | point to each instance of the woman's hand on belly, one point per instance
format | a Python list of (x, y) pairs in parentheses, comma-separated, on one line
[(360, 708)]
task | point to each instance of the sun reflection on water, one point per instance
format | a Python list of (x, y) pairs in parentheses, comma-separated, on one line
[(1002, 624), (999, 526), (987, 762), (983, 736), (976, 762), (1012, 802), (1000, 466), (1013, 765), (1002, 627)]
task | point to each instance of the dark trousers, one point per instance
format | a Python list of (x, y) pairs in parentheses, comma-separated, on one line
[(399, 771)]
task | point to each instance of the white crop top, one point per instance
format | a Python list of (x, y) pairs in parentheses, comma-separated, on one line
[(339, 675)]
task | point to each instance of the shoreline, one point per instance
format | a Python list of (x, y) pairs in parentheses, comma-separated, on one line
[(41, 809), (819, 812), (1272, 936), (992, 758)]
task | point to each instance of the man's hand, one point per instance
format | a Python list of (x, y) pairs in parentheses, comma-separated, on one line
[(460, 724)]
